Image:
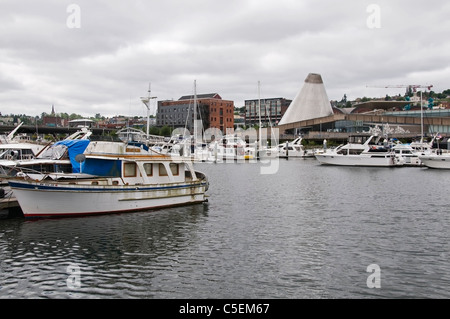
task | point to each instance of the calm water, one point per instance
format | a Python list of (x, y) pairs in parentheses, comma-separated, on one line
[(308, 231)]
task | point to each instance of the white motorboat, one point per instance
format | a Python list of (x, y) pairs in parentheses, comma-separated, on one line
[(113, 182), (21, 147), (293, 149), (55, 158), (50, 161), (408, 154), (19, 151), (230, 148), (360, 151), (437, 160), (184, 146), (59, 159), (15, 151)]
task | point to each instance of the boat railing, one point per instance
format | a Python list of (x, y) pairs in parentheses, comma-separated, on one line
[(23, 172)]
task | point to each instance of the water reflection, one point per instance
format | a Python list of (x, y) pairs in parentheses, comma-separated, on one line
[(118, 255)]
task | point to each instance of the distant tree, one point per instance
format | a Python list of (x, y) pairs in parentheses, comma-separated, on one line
[(64, 116), (74, 116), (165, 131), (154, 130)]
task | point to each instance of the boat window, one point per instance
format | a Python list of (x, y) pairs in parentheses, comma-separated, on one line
[(148, 167), (174, 168), (133, 150), (162, 170), (129, 169), (355, 152)]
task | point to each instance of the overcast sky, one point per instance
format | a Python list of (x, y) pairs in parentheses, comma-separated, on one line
[(100, 56)]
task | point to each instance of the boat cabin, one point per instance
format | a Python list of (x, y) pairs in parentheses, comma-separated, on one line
[(13, 152)]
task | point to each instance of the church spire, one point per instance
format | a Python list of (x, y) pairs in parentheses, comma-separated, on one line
[(53, 109)]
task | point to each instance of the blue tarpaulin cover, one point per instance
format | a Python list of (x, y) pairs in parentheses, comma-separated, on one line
[(75, 147)]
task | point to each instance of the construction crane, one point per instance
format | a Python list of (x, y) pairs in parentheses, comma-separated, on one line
[(413, 87)]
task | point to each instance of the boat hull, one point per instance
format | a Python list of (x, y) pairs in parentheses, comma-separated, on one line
[(59, 200), (436, 161)]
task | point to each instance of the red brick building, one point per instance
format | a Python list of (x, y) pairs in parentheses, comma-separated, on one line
[(53, 120), (213, 111)]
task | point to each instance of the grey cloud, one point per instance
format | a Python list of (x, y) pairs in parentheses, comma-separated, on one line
[(227, 46)]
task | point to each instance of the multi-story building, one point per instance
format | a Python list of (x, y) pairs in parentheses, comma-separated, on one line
[(272, 110), (213, 111)]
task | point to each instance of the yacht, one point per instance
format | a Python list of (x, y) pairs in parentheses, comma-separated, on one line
[(230, 148), (406, 155), (293, 149), (437, 159), (113, 179), (360, 151)]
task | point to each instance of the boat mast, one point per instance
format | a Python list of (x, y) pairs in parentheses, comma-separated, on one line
[(146, 101), (421, 118), (259, 108), (195, 112)]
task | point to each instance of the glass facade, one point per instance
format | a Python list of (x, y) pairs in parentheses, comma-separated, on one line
[(270, 110)]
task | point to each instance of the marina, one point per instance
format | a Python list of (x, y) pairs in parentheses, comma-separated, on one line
[(241, 150), (184, 218), (311, 234), (83, 175)]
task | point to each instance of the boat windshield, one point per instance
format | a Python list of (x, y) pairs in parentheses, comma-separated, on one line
[(351, 151), (358, 139)]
